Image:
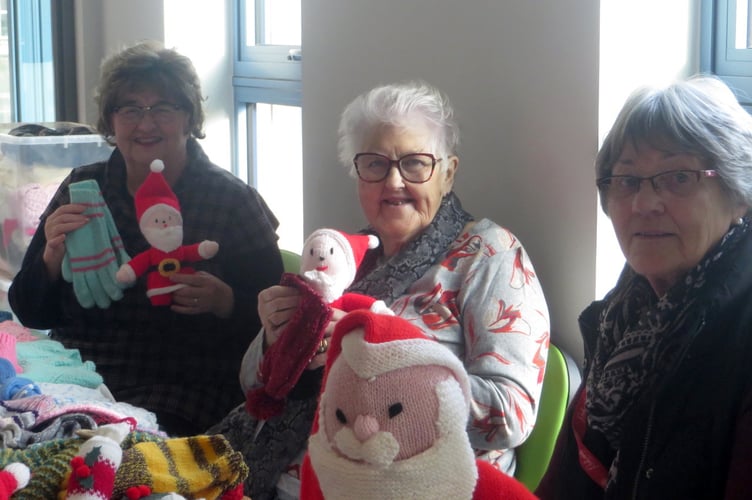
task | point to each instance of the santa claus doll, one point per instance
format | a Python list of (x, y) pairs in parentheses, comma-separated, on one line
[(161, 223), (391, 420), (328, 265)]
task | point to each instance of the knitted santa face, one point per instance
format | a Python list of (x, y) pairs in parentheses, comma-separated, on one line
[(162, 226), (392, 414), (330, 259), (158, 211)]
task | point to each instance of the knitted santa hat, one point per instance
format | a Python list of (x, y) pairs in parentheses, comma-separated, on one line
[(154, 191), (388, 343), (354, 246), (13, 477)]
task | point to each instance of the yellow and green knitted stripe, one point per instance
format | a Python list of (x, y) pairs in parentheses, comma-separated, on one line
[(195, 467)]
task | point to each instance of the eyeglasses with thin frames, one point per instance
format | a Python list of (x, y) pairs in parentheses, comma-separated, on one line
[(681, 183), (416, 168), (162, 113)]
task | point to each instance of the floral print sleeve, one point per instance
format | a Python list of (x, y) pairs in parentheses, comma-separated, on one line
[(483, 300)]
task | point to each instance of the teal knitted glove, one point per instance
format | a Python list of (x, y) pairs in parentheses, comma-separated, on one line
[(91, 261)]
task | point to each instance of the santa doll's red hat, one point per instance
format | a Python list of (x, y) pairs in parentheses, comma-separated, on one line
[(154, 191), (388, 343)]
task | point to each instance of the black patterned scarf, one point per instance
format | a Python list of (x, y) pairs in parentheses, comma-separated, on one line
[(390, 279), (641, 335)]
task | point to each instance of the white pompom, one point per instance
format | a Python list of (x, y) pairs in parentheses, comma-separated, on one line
[(373, 241), (157, 166), (20, 472)]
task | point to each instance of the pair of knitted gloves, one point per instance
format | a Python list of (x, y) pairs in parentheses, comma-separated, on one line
[(95, 251)]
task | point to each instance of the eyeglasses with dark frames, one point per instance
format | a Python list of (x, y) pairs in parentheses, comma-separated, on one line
[(416, 168), (681, 183), (162, 113)]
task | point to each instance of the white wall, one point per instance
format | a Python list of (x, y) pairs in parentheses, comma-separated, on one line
[(102, 28)]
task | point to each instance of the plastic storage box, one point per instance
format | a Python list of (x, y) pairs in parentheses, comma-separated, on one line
[(31, 169)]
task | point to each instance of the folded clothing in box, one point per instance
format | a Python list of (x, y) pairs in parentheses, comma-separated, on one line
[(34, 160)]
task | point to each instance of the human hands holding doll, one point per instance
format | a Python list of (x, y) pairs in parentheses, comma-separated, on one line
[(300, 314)]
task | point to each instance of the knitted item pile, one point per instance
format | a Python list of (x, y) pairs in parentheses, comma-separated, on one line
[(197, 467)]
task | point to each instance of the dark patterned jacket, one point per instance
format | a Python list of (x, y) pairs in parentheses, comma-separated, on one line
[(690, 435)]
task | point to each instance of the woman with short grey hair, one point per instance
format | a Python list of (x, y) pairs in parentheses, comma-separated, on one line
[(665, 407)]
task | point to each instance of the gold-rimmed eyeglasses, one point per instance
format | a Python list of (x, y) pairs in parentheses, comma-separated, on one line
[(415, 167)]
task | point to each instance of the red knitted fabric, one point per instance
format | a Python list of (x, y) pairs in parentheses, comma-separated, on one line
[(286, 358)]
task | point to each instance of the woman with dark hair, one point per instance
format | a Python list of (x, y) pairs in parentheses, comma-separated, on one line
[(181, 361)]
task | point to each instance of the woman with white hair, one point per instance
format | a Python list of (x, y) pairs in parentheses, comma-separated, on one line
[(665, 408), (467, 283)]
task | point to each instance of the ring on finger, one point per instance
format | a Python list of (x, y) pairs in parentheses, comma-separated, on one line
[(323, 346)]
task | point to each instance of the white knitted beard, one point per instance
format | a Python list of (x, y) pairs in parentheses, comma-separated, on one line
[(166, 239), (379, 450), (328, 286)]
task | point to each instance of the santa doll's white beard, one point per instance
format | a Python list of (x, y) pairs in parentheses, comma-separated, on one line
[(166, 239), (446, 470), (379, 450), (328, 286)]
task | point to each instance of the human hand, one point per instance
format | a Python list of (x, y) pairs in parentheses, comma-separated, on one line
[(202, 293), (320, 358), (276, 306), (65, 219)]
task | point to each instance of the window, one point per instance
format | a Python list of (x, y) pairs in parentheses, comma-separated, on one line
[(34, 38), (268, 124), (726, 44)]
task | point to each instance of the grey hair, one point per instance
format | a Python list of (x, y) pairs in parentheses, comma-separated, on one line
[(699, 116), (149, 65), (404, 105)]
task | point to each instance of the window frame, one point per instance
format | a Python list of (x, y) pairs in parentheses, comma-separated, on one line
[(718, 54), (269, 74), (42, 60)]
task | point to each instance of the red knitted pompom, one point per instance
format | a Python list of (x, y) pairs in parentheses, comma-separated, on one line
[(82, 471), (136, 492), (234, 494)]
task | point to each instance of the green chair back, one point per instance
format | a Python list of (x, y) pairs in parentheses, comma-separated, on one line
[(535, 453), (290, 261)]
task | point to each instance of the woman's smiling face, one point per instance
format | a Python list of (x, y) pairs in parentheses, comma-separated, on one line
[(399, 210)]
